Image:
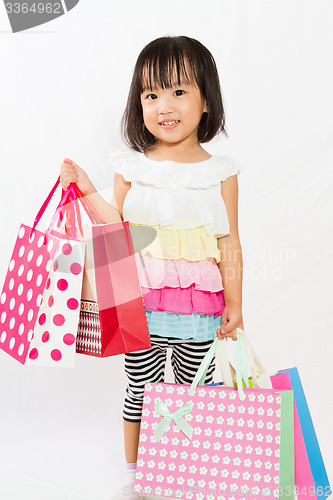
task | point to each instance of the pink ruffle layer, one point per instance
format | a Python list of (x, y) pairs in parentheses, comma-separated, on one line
[(183, 300), (160, 273)]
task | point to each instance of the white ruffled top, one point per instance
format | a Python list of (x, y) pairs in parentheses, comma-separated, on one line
[(175, 195)]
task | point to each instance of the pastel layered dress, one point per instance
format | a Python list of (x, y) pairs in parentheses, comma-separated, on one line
[(176, 213)]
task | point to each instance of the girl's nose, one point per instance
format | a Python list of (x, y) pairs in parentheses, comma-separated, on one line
[(165, 106)]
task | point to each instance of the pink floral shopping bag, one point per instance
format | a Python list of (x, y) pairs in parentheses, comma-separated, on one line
[(207, 442)]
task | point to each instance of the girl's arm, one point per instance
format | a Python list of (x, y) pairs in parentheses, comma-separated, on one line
[(120, 190), (231, 264), (71, 172), (108, 212)]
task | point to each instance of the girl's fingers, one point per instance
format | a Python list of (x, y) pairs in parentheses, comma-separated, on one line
[(221, 335), (66, 179), (69, 172), (69, 175), (67, 166), (233, 334), (223, 325)]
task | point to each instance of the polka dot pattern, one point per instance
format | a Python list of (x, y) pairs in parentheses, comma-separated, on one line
[(56, 327), (19, 307), (59, 319), (33, 354), (62, 284), (45, 337), (76, 268), (72, 304), (56, 355), (42, 319), (69, 339), (66, 249)]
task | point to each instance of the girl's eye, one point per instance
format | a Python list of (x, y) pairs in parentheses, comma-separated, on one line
[(175, 92), (151, 96)]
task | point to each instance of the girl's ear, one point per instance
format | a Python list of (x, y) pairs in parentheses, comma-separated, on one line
[(205, 108)]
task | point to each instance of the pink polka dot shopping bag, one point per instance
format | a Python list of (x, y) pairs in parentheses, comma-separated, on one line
[(40, 299)]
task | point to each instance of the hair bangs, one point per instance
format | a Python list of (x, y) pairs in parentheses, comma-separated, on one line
[(166, 69)]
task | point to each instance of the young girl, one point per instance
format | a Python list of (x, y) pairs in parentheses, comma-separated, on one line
[(167, 181)]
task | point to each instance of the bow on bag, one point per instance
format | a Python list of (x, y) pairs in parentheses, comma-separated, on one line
[(177, 416)]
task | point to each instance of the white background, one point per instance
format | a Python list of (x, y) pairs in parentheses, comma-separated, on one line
[(63, 89)]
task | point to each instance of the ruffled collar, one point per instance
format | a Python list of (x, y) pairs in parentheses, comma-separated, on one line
[(157, 163), (136, 167)]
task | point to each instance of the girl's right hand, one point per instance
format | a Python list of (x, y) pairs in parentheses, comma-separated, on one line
[(70, 173)]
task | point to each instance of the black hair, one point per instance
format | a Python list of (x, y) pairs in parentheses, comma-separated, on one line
[(157, 62)]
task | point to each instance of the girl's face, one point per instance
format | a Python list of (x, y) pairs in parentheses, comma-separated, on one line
[(173, 114)]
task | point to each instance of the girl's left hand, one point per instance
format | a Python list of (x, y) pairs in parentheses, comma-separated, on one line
[(230, 319)]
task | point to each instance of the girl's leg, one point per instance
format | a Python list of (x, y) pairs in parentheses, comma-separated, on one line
[(186, 358), (131, 439), (141, 367)]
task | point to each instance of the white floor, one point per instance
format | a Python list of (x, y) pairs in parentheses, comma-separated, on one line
[(70, 446)]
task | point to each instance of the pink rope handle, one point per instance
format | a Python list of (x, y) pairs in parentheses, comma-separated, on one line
[(45, 204), (78, 215), (92, 220), (88, 205), (67, 197), (73, 211), (59, 210)]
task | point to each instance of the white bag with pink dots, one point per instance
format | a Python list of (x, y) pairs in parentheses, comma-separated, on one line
[(40, 300)]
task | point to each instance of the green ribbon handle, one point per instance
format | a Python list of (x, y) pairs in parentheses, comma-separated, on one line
[(200, 376), (177, 416), (241, 365)]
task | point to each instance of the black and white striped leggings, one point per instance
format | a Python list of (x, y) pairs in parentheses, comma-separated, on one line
[(149, 366)]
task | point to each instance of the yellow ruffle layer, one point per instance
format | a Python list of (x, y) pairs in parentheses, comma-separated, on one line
[(189, 244)]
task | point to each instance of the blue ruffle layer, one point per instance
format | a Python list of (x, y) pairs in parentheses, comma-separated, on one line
[(194, 326)]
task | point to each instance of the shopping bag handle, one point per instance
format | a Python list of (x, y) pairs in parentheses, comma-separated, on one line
[(228, 372), (68, 204), (88, 206), (45, 204), (72, 211), (65, 197), (257, 368), (243, 350)]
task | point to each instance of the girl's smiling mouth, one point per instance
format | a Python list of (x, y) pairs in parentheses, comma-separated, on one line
[(169, 124)]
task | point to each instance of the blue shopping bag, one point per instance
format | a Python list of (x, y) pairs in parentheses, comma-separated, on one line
[(320, 479)]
